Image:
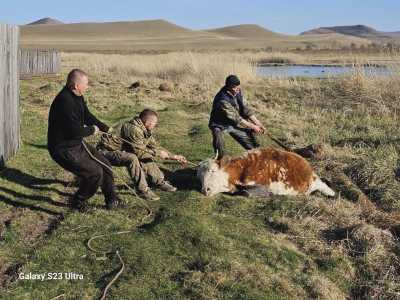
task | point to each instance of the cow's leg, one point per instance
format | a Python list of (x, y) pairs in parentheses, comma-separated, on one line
[(258, 191), (319, 185), (244, 137)]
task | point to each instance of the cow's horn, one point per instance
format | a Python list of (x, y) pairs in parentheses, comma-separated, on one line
[(216, 155)]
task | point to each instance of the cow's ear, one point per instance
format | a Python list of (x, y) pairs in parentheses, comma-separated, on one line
[(224, 161)]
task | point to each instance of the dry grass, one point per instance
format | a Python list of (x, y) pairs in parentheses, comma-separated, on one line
[(212, 68), (185, 68), (380, 93)]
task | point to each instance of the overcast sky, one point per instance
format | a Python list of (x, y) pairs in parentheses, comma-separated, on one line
[(284, 16)]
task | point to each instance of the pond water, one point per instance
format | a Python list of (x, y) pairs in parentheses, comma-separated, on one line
[(317, 71)]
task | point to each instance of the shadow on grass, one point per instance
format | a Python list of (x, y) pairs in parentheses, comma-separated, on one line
[(16, 203), (337, 234), (183, 179), (397, 173), (40, 198), (32, 182), (37, 146)]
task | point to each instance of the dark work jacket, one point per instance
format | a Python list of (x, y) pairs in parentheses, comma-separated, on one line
[(228, 110), (67, 117)]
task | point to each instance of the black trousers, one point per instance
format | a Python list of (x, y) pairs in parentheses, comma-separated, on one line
[(245, 137), (92, 174)]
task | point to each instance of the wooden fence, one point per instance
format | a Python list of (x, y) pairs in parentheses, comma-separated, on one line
[(34, 62), (9, 92)]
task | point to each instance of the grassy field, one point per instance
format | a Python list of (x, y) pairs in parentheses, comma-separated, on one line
[(227, 247)]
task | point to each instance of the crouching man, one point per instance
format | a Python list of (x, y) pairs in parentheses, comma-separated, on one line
[(230, 114), (138, 153), (69, 122)]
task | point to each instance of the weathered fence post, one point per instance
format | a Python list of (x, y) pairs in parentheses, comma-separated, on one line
[(33, 62), (9, 92)]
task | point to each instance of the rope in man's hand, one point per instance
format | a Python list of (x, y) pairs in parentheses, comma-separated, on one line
[(278, 142), (133, 145)]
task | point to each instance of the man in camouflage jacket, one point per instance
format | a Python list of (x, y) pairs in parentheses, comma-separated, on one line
[(138, 153), (231, 114)]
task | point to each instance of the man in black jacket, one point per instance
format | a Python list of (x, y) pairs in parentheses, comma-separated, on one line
[(69, 122), (231, 114)]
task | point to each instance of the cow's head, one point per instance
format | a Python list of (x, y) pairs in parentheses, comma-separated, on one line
[(213, 178)]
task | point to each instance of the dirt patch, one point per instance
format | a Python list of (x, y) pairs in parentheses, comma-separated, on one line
[(6, 219), (378, 182), (166, 87), (34, 233), (375, 251), (370, 212), (322, 288), (368, 238), (134, 85), (8, 274)]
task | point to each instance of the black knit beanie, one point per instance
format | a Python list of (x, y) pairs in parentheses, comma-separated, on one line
[(232, 80)]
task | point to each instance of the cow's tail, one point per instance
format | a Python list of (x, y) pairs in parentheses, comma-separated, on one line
[(319, 185)]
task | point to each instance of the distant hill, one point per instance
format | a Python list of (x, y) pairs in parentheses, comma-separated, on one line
[(106, 29), (245, 31), (46, 21), (354, 30), (161, 35), (395, 34)]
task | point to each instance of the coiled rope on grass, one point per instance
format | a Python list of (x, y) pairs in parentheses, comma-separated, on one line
[(143, 204), (88, 244)]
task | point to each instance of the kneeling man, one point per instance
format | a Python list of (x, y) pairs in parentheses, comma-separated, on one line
[(138, 153)]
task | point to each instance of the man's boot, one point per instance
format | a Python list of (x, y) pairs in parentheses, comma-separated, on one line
[(115, 203), (166, 186), (149, 195), (79, 204)]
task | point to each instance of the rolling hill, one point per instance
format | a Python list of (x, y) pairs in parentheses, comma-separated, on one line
[(112, 30), (247, 31), (161, 35), (46, 21), (354, 30)]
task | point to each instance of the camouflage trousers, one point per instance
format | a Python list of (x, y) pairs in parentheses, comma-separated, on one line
[(139, 171)]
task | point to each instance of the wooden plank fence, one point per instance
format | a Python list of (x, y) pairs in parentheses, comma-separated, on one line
[(35, 62), (9, 92)]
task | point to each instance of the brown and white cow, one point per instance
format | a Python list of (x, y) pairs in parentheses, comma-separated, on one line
[(280, 172)]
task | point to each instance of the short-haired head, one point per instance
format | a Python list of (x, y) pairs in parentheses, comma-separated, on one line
[(74, 77), (147, 114), (149, 118)]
